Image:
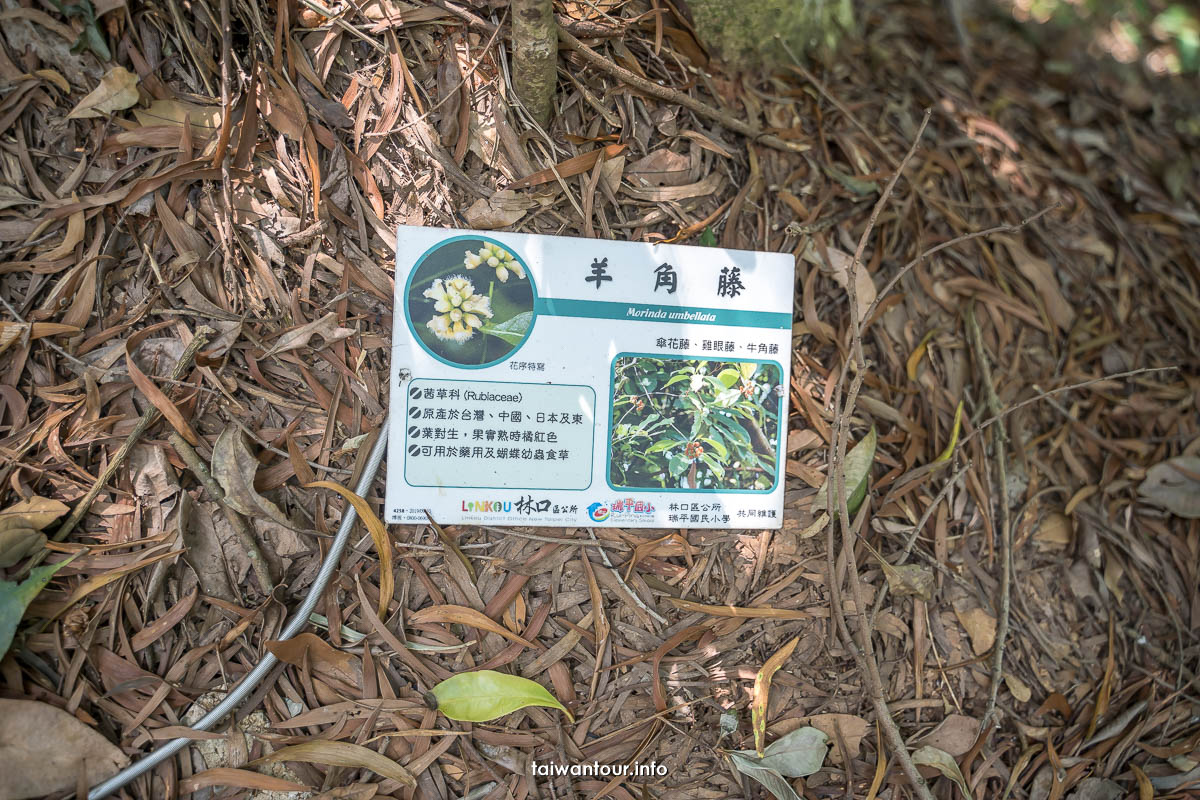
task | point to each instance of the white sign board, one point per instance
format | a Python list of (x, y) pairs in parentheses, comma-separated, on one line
[(543, 380)]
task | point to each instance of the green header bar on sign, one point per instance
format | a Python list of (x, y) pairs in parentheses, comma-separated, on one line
[(649, 312)]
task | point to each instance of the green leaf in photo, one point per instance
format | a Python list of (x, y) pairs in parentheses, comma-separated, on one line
[(857, 469), (707, 238), (713, 465), (512, 330), (717, 447), (485, 694), (728, 377), (16, 597), (677, 465)]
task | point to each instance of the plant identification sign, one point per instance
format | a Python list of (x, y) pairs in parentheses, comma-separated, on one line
[(544, 380)]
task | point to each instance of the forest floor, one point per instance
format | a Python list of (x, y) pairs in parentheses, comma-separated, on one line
[(250, 183)]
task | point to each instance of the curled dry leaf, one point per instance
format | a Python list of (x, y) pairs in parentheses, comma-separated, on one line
[(240, 779), (342, 754), (486, 695), (12, 331), (43, 749), (234, 467), (379, 535), (762, 690), (465, 616), (117, 91), (1174, 485), (316, 651)]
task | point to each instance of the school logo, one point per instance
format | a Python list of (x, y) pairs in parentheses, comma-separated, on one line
[(598, 512)]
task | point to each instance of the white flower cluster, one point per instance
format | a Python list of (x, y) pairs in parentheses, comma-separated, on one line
[(497, 258), (460, 311)]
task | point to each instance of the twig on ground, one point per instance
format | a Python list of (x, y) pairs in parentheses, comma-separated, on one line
[(966, 237), (149, 418), (1000, 450), (616, 574), (1070, 387), (262, 570), (678, 97), (864, 652)]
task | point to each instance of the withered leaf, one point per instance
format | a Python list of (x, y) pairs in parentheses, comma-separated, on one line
[(116, 92), (342, 754), (502, 209), (326, 327), (234, 467), (762, 690), (1174, 484), (43, 748)]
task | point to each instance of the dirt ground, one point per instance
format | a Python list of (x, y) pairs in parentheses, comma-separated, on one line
[(240, 167)]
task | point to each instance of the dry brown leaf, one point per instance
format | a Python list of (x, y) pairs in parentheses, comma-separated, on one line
[(853, 729), (117, 91), (502, 209), (1019, 689), (739, 611), (572, 166), (35, 513), (955, 735), (205, 120), (17, 543), (705, 187), (151, 391), (318, 652), (663, 167), (838, 268), (342, 754), (234, 467), (464, 616), (980, 626), (1040, 273), (1054, 533), (379, 535), (240, 779), (326, 327), (1174, 485), (43, 749)]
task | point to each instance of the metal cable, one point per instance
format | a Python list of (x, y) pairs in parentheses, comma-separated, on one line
[(294, 626)]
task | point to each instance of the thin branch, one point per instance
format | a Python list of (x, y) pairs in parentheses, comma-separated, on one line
[(678, 97), (1001, 455), (864, 653)]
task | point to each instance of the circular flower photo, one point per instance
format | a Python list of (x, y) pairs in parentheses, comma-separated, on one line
[(470, 302)]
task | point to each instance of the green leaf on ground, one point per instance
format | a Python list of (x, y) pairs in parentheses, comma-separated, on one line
[(485, 694), (857, 470), (16, 597)]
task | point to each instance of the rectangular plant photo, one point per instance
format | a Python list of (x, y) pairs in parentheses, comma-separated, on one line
[(703, 425)]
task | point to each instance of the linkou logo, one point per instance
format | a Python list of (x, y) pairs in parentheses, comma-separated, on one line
[(488, 506)]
